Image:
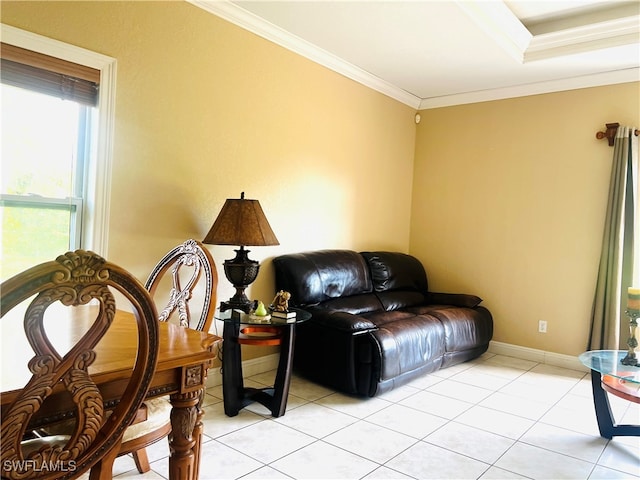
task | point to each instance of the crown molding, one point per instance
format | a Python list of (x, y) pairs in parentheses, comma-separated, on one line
[(247, 20), (496, 20), (585, 81), (586, 38)]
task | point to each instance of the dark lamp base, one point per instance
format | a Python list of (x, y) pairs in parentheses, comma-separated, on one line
[(234, 304), (241, 272)]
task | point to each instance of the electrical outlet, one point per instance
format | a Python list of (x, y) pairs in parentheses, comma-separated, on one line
[(542, 326)]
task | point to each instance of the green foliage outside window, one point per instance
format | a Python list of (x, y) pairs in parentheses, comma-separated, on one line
[(31, 236)]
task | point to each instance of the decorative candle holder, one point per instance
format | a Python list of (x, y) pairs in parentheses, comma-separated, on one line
[(632, 343)]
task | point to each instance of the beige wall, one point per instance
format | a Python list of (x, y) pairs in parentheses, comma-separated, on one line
[(206, 110), (509, 202), (509, 208)]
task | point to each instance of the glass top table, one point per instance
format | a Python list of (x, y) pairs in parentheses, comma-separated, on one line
[(245, 319), (241, 329), (608, 362), (609, 375)]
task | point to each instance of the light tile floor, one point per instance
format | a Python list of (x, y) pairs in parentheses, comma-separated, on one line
[(493, 418)]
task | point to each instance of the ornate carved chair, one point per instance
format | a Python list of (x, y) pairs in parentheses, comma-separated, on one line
[(193, 259), (192, 262), (89, 284)]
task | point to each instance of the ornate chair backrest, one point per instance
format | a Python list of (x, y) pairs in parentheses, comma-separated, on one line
[(193, 258), (74, 279)]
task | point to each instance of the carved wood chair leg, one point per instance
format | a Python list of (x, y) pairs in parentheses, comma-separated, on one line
[(141, 459), (103, 470)]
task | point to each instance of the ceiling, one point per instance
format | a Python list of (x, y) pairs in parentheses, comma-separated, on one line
[(432, 53)]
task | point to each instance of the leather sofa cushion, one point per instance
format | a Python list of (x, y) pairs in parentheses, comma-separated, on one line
[(382, 318), (398, 299), (354, 304), (408, 343), (318, 276), (464, 328), (396, 271), (337, 320)]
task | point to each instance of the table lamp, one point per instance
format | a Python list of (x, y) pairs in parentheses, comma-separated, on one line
[(241, 222)]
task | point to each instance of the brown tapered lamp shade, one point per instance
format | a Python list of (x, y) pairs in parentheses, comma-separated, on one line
[(241, 222)]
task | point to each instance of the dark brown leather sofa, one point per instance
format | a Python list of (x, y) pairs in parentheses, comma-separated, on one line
[(375, 324)]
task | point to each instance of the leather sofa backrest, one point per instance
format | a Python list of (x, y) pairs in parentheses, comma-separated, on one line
[(399, 280), (322, 275), (396, 271)]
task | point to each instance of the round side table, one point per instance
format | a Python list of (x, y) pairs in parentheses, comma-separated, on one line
[(240, 330), (608, 374)]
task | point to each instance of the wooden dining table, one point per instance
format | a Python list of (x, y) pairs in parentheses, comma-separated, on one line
[(184, 357)]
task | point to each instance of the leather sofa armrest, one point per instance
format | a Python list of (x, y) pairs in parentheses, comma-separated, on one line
[(455, 299), (343, 321)]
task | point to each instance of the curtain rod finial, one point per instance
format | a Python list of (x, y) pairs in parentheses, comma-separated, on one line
[(609, 134)]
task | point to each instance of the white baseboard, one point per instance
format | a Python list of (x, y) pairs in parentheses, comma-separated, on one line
[(535, 355), (259, 365)]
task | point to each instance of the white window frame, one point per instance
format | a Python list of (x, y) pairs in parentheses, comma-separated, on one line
[(95, 221), (72, 205)]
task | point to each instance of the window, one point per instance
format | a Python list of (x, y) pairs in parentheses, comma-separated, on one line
[(56, 149), (45, 147)]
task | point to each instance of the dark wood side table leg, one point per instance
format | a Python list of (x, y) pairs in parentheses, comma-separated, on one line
[(232, 382), (183, 444), (604, 415), (283, 374)]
